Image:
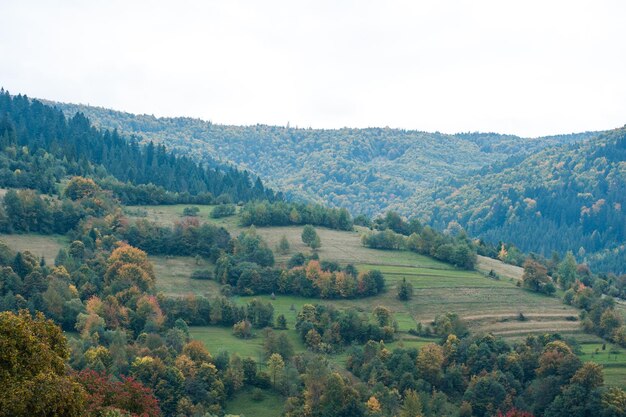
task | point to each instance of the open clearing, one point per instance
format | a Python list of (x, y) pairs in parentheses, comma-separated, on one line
[(244, 404), (174, 272), (486, 264), (167, 215), (39, 245)]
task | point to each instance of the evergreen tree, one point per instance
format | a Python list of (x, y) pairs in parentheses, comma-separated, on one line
[(405, 290)]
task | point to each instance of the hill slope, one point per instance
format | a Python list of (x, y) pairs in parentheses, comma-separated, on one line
[(40, 147), (563, 198), (364, 170)]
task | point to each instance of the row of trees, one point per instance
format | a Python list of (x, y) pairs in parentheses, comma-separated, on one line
[(394, 233), (310, 279), (483, 377), (281, 213)]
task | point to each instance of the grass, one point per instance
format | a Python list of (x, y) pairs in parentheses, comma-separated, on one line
[(39, 245), (244, 405), (167, 215), (220, 339), (612, 359), (504, 270), (173, 276)]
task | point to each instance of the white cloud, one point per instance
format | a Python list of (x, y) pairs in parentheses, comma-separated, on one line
[(530, 68)]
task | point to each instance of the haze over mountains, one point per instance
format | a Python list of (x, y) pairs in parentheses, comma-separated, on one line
[(545, 194)]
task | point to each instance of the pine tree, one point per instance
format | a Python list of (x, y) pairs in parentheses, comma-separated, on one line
[(405, 290)]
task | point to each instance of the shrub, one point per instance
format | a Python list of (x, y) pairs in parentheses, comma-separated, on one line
[(202, 274), (191, 211), (223, 210)]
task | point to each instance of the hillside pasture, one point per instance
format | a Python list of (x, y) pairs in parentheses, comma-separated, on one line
[(487, 305), (486, 264), (173, 276), (244, 404), (39, 245), (168, 215)]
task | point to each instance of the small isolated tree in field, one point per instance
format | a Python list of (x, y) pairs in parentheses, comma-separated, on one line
[(281, 322), (310, 237), (243, 329), (283, 245), (405, 290), (536, 277), (191, 211)]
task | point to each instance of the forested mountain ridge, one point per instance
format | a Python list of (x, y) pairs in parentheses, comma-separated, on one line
[(41, 147), (568, 197), (364, 170)]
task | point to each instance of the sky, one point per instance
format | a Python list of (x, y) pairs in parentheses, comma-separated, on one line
[(530, 68)]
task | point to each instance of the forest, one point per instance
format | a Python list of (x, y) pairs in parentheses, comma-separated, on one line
[(367, 171), (563, 198)]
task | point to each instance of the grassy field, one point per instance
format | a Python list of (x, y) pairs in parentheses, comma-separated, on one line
[(244, 404), (39, 245), (173, 276), (219, 339), (503, 270), (170, 214), (488, 305), (612, 359)]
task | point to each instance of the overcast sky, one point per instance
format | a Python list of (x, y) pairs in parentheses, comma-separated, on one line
[(524, 67)]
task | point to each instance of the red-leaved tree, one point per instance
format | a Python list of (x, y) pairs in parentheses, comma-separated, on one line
[(128, 395), (514, 412)]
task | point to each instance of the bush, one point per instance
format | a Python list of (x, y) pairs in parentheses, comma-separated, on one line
[(257, 394), (405, 290), (243, 329), (223, 210), (202, 274), (191, 211)]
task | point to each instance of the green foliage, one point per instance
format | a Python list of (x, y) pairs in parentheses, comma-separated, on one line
[(283, 214), (563, 198), (536, 277), (363, 170), (283, 245), (405, 290), (33, 355), (315, 320), (46, 146), (310, 237), (223, 210), (457, 250), (191, 211)]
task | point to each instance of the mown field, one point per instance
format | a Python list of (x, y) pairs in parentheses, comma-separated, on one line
[(244, 404), (39, 245), (488, 305)]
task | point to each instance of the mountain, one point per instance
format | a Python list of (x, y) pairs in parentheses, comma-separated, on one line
[(555, 193), (367, 171), (568, 197), (41, 147)]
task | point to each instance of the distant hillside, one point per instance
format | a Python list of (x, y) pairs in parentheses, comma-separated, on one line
[(39, 147), (569, 197), (364, 170)]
